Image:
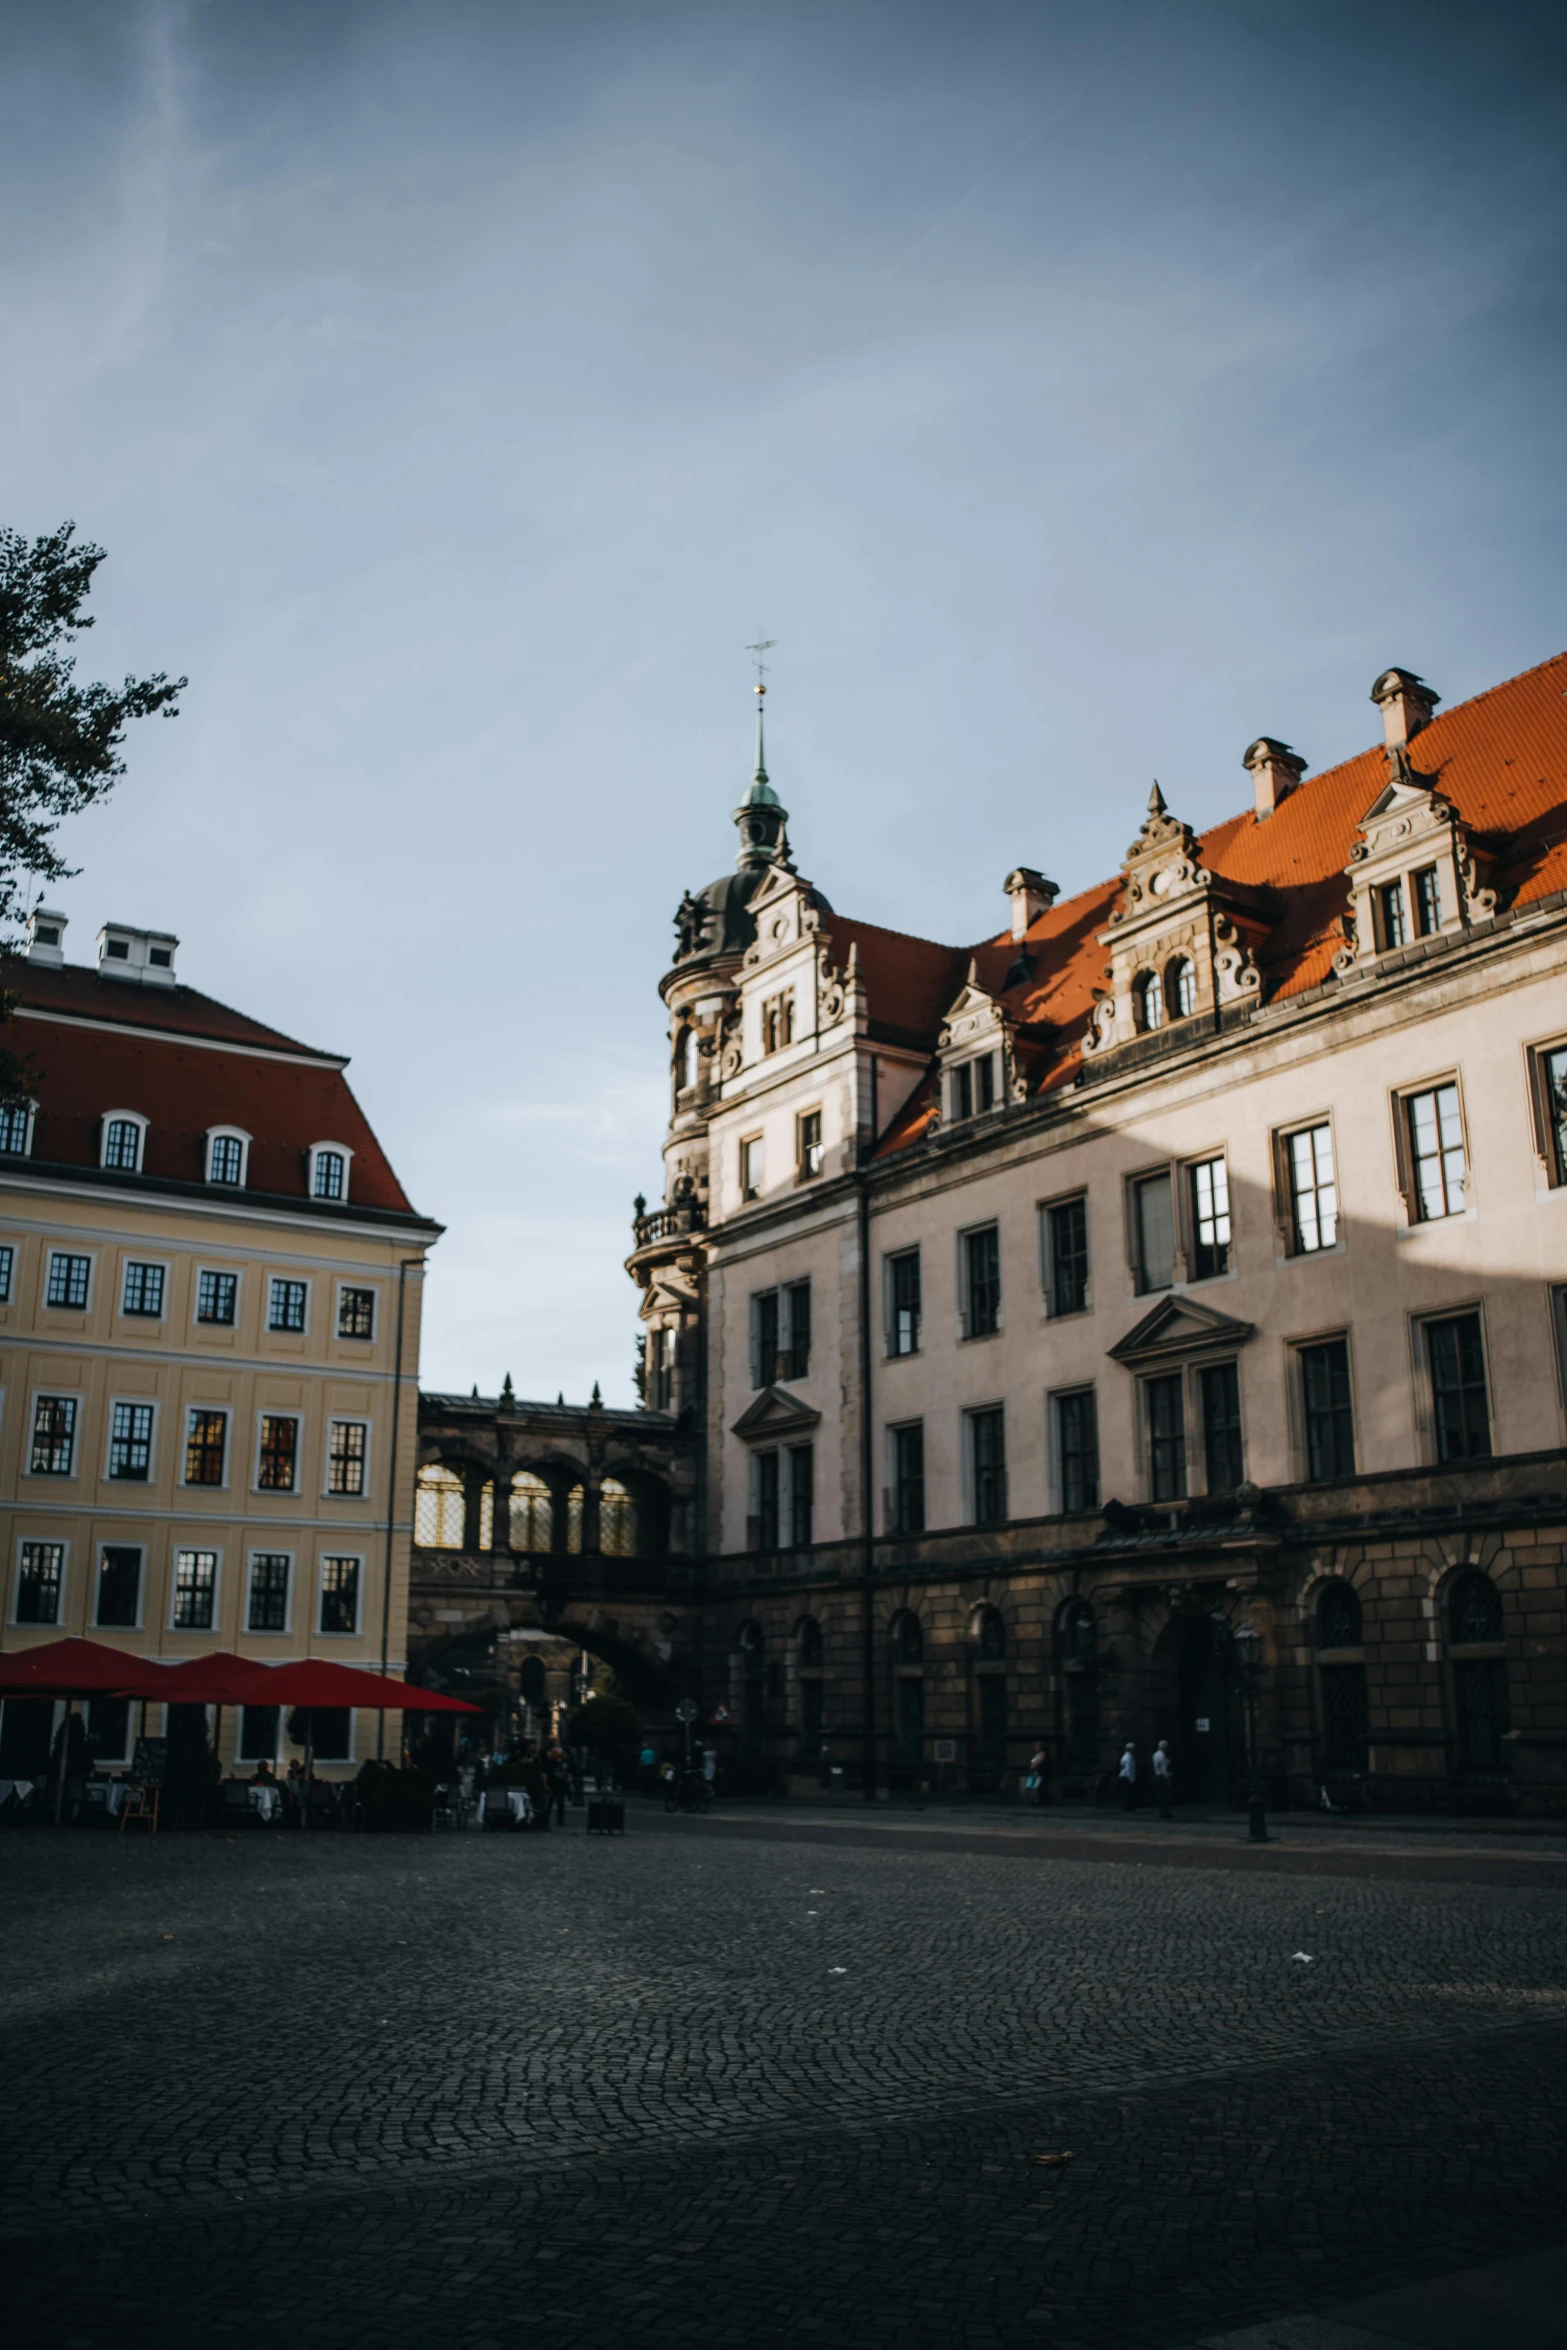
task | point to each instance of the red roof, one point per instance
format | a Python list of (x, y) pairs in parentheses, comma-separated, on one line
[(1501, 760), (281, 1093)]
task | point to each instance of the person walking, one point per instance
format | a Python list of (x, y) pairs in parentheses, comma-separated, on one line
[(558, 1774), (1163, 1778), (1039, 1774), (1127, 1774)]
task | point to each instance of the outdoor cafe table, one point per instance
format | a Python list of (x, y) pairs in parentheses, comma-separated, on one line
[(267, 1800), (517, 1803)]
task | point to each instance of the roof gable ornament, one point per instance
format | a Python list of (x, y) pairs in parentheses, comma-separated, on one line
[(977, 1023), (1414, 874)]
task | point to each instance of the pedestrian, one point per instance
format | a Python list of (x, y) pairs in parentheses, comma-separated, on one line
[(1163, 1777), (710, 1767), (1039, 1774), (1127, 1774), (558, 1773)]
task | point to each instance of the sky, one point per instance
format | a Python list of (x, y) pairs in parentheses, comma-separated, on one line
[(1074, 389)]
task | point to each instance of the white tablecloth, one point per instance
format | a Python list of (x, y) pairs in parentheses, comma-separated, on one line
[(267, 1800), (20, 1788), (516, 1803), (111, 1793)]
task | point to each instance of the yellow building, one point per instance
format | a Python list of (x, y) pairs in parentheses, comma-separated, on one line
[(210, 1286)]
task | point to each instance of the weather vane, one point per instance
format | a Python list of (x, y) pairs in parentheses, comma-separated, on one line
[(765, 645)]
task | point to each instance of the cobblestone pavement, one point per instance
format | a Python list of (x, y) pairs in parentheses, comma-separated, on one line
[(690, 2086)]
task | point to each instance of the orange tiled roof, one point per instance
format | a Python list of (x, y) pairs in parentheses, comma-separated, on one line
[(1501, 760)]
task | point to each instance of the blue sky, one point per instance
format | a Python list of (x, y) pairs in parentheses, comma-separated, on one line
[(1074, 391)]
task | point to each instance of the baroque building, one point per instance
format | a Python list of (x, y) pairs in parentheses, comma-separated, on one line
[(210, 1290), (1187, 1255)]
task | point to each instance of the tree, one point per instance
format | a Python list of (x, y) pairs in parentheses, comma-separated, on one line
[(59, 741)]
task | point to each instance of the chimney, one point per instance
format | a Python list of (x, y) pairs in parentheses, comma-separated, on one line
[(1031, 895), (1275, 771), (1406, 703), (144, 957), (46, 937)]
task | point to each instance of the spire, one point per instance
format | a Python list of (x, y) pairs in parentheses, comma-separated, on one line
[(761, 815), (1156, 806), (761, 749)]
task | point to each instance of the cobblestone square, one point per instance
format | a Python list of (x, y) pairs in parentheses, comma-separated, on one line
[(691, 2087)]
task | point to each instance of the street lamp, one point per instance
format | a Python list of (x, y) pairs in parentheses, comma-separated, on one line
[(1248, 1657)]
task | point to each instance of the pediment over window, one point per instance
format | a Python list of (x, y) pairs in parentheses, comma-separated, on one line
[(1179, 1326), (773, 1414), (1414, 872)]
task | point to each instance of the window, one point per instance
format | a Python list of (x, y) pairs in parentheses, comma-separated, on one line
[(1436, 1148), (1153, 1233), (810, 1643), (195, 1590), (973, 1086), (332, 1730), (345, 1468), (279, 1454), (907, 1496), (532, 1523), (1391, 921), (16, 1120), (777, 1023), (108, 1728), (1148, 1000), (7, 1267), (1325, 1397), (1313, 1190), (1221, 1426), (987, 1438), (1428, 902), (440, 1509), (908, 1649), (1166, 1410), (54, 1436), (780, 1333), (812, 1152), (690, 1057), (903, 1303), (1210, 1219), (751, 1168), (216, 1296), (1180, 988), (39, 1582), (981, 1270), (1066, 1256), (130, 1442), (802, 1495), (1480, 1699), (764, 1514), (356, 1313), (1339, 1623), (1077, 1450), (328, 1174), (339, 1595), (119, 1589), (225, 1159), (1552, 1067), (617, 1520), (122, 1143), (269, 1579), (258, 1729), (206, 1440), (1474, 1611), (143, 1291), (68, 1280), (659, 1353), (286, 1310), (1458, 1397)]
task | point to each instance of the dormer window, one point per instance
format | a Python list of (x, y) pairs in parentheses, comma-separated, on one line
[(1391, 921), (1180, 988), (778, 1022), (228, 1148), (329, 1171), (974, 1086), (123, 1131), (1148, 1000), (16, 1128), (1428, 901)]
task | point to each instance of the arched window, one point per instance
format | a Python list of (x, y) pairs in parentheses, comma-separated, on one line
[(991, 1636), (532, 1685), (487, 1514), (439, 1508), (226, 1152), (328, 1171), (617, 1520), (908, 1641), (532, 1514), (1476, 1610), (689, 1059), (1148, 1000), (574, 1521), (122, 1140), (1338, 1616), (809, 1638), (1180, 988)]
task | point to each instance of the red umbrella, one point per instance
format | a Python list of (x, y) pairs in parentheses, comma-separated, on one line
[(219, 1679), (317, 1683), (72, 1669)]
